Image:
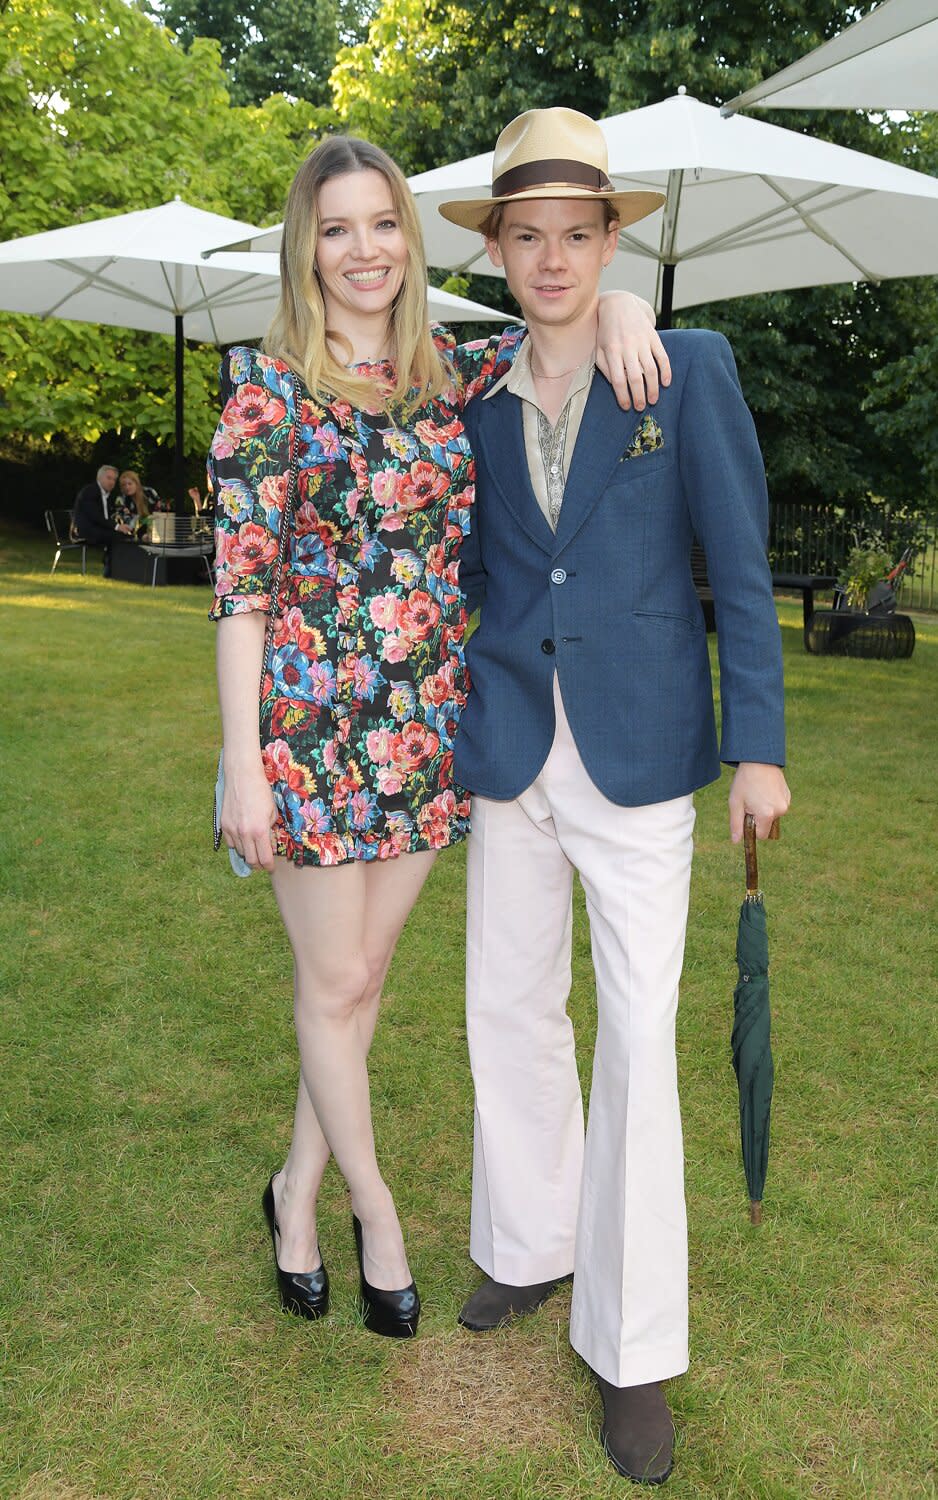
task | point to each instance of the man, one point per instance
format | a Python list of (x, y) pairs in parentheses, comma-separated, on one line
[(588, 728), (93, 512)]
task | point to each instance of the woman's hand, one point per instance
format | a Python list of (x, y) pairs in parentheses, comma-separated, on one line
[(628, 350), (248, 813)]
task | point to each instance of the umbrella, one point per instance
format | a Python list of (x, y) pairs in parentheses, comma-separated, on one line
[(141, 270), (889, 60), (752, 1049), (750, 208), (147, 270)]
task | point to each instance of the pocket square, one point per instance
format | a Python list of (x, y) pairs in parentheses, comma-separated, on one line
[(647, 438)]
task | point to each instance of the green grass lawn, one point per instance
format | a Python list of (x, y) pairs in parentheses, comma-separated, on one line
[(148, 1079)]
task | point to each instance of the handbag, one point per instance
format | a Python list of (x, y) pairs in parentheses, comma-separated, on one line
[(240, 865)]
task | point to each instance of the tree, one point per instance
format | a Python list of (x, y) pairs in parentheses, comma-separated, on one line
[(102, 111), (278, 47), (807, 359)]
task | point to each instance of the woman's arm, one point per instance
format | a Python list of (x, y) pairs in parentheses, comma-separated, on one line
[(248, 809)]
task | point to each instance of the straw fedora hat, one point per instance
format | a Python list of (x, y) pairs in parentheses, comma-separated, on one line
[(551, 153)]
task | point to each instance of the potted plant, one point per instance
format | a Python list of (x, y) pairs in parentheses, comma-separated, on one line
[(849, 629), (864, 568)]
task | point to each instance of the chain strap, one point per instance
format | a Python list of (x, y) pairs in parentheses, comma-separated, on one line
[(286, 531)]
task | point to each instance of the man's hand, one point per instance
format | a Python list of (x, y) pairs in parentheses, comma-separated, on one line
[(761, 790), (628, 350)]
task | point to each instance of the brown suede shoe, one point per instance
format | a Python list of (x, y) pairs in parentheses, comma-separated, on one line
[(637, 1432), (495, 1302)]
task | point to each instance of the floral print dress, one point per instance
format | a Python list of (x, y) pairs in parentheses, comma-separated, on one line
[(367, 676)]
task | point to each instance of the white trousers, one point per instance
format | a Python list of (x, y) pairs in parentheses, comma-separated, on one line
[(542, 1205)]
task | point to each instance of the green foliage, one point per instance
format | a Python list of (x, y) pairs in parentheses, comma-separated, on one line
[(902, 409), (864, 568), (280, 46), (103, 112)]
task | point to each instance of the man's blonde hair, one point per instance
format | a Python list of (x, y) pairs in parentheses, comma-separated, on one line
[(492, 223)]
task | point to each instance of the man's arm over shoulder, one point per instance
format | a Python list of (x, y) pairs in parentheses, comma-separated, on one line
[(724, 481)]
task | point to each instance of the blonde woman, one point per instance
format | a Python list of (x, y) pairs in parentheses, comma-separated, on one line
[(340, 782), (134, 500)]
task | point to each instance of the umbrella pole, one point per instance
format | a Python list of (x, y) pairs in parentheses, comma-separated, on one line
[(179, 467), (667, 295)]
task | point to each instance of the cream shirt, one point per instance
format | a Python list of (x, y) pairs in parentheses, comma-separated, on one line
[(548, 449)]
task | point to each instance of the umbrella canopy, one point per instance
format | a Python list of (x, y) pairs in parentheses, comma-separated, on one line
[(147, 270), (140, 270), (750, 208), (751, 1042), (889, 60)]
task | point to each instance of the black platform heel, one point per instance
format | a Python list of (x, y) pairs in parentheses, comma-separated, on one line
[(305, 1293), (394, 1314)]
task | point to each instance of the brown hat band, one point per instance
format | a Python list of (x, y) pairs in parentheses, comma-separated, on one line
[(553, 171)]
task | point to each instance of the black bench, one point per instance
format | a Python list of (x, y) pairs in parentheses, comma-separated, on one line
[(805, 584), (786, 583)]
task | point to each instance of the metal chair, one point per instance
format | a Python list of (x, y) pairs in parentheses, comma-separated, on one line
[(180, 536), (62, 529)]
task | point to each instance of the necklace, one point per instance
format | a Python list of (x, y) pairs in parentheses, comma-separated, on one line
[(538, 376)]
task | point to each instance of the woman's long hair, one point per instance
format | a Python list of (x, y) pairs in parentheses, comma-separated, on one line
[(298, 333), (137, 493)]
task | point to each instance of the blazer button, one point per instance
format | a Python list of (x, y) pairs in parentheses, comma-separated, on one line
[(548, 647), (558, 576)]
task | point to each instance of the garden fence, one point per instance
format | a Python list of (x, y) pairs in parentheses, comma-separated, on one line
[(817, 538)]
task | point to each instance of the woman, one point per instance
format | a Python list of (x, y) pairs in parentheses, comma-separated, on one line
[(347, 767), (134, 500)]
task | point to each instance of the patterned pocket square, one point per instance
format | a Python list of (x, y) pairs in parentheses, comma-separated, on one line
[(647, 438)]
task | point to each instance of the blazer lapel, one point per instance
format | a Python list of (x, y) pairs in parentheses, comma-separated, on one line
[(598, 449), (501, 437)]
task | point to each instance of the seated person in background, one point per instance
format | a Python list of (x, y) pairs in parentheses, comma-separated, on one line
[(134, 500), (94, 512)]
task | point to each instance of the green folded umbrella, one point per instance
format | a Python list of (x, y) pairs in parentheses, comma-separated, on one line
[(752, 1049)]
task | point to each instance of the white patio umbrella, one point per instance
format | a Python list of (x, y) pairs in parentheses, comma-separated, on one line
[(888, 60), (146, 270), (750, 208), (139, 270)]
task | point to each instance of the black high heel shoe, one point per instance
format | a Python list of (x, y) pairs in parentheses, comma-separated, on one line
[(394, 1314), (305, 1293)]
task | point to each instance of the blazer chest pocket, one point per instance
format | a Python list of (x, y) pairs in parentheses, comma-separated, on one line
[(630, 471)]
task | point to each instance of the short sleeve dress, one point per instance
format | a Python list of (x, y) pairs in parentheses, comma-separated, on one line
[(367, 675)]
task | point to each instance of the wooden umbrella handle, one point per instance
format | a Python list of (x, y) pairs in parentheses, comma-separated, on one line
[(749, 845)]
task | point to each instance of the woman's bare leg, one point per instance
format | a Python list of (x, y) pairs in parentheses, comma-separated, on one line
[(343, 924)]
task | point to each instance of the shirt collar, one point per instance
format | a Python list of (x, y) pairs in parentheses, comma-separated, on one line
[(520, 381)]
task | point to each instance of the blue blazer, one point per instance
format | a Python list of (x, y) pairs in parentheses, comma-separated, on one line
[(609, 603)]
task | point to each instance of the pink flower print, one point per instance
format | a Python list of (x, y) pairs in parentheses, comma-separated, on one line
[(315, 817), (384, 487), (395, 648), (276, 758), (322, 681), (365, 677), (385, 610), (272, 493), (379, 744), (223, 445), (328, 439), (390, 780)]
